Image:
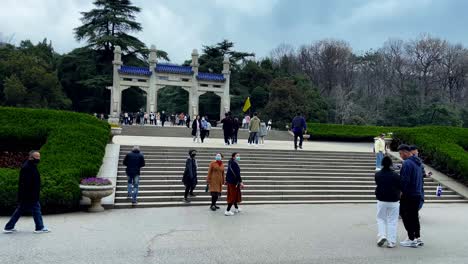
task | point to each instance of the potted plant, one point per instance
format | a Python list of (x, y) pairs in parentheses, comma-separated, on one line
[(115, 129), (96, 189)]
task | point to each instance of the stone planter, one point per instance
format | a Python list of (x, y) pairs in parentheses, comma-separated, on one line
[(116, 131), (96, 193)]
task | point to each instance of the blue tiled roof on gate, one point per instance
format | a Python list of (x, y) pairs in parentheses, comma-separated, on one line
[(171, 68), (205, 76), (134, 70)]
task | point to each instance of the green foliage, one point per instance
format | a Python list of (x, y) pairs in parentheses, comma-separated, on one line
[(355, 133), (210, 105), (108, 25), (74, 148), (133, 99), (15, 92), (28, 77), (289, 96), (443, 147), (173, 100)]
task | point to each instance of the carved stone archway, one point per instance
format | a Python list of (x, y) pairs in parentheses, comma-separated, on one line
[(160, 75)]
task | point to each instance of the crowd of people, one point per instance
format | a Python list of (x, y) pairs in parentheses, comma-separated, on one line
[(258, 130), (397, 194), (154, 118)]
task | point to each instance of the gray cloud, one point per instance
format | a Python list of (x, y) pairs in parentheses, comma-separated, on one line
[(178, 26)]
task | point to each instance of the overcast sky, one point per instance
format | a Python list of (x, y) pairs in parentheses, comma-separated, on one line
[(178, 26)]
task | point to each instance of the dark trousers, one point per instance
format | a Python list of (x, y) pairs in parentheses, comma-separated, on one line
[(202, 135), (189, 189), (230, 205), (214, 198), (234, 136), (34, 207), (227, 136), (299, 135), (253, 138), (409, 207), (162, 122), (207, 133)]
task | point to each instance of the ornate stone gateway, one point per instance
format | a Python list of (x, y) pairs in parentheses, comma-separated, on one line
[(160, 75)]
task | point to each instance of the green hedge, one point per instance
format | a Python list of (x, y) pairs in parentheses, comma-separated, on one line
[(72, 146), (345, 132), (443, 147)]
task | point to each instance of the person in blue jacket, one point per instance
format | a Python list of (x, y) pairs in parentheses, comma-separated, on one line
[(411, 194), (298, 126)]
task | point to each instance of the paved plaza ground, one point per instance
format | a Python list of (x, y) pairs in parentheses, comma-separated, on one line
[(260, 234), (219, 143)]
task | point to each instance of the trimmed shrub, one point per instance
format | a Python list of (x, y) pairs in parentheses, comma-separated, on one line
[(72, 147), (443, 147), (345, 132)]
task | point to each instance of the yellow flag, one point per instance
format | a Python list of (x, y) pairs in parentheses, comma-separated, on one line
[(246, 105)]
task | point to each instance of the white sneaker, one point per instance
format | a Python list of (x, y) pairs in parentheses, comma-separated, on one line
[(420, 242), (228, 213), (237, 210), (43, 230), (391, 245), (377, 169), (409, 243), (9, 231), (381, 241)]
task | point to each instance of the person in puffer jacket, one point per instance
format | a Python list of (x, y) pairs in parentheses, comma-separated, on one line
[(411, 179)]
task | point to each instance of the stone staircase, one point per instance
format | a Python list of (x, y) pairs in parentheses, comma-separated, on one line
[(271, 177)]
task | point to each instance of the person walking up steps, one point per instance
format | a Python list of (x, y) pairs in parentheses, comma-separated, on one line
[(234, 185), (254, 127), (190, 179), (298, 127), (134, 162), (411, 181), (29, 189), (215, 180), (387, 193), (379, 151)]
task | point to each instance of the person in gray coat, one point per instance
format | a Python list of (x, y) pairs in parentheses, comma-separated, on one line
[(262, 133)]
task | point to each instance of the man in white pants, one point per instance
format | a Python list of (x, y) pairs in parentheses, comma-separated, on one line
[(388, 205)]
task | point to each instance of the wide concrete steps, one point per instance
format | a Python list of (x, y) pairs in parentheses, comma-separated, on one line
[(207, 202), (180, 131), (270, 177)]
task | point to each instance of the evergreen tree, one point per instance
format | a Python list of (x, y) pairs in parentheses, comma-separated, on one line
[(108, 25)]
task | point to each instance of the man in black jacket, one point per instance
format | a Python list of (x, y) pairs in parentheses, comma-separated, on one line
[(29, 189), (227, 128), (134, 162)]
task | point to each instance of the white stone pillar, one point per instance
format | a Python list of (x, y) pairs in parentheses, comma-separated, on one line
[(152, 96), (116, 94), (226, 98), (194, 63)]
